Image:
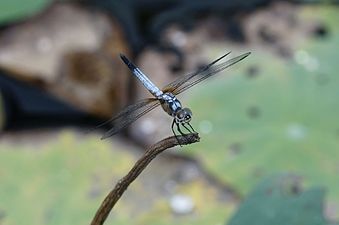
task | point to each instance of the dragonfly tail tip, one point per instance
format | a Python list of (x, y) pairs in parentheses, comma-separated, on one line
[(124, 59), (122, 56)]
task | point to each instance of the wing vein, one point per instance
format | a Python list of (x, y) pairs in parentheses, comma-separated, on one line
[(130, 114)]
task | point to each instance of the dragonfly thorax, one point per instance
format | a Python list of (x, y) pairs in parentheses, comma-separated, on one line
[(173, 107), (170, 103)]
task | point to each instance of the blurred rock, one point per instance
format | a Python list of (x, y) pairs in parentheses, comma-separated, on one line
[(278, 27), (72, 53), (93, 82)]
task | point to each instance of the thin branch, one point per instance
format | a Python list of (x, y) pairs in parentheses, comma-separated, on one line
[(113, 197)]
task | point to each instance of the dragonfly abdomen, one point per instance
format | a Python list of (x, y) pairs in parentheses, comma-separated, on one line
[(155, 91)]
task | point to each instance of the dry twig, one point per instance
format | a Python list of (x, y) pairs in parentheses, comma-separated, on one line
[(112, 198)]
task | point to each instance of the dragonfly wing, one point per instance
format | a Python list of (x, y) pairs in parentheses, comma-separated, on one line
[(129, 115), (212, 70), (183, 79)]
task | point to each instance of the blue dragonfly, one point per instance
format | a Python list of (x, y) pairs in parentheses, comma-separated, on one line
[(166, 96)]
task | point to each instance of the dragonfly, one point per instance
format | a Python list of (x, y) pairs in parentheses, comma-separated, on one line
[(166, 97)]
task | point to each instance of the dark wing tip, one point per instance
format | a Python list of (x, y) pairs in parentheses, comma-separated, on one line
[(124, 58), (247, 54), (221, 57), (244, 55)]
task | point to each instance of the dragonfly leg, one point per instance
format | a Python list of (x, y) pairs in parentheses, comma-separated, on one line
[(187, 128), (191, 127), (178, 128), (175, 135)]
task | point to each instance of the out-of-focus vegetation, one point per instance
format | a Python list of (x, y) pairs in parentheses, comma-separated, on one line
[(1, 113), (283, 119), (60, 182), (278, 201), (64, 181), (11, 10)]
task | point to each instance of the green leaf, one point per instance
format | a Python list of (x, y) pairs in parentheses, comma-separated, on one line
[(281, 120), (278, 200), (11, 10)]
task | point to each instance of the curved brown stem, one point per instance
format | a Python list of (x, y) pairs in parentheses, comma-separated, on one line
[(113, 197)]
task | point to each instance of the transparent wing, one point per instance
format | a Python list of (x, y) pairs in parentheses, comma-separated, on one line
[(208, 71), (181, 80), (129, 115)]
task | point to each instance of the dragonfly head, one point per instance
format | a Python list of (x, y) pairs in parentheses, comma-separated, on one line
[(183, 115)]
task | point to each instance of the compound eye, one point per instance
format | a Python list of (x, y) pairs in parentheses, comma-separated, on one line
[(188, 118), (181, 115)]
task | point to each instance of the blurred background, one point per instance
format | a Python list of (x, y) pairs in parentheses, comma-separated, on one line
[(269, 149)]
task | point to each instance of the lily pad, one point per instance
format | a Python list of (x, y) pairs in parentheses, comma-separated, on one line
[(295, 126), (278, 201), (11, 10)]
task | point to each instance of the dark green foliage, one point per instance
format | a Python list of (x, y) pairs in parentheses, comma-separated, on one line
[(280, 200), (13, 10)]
